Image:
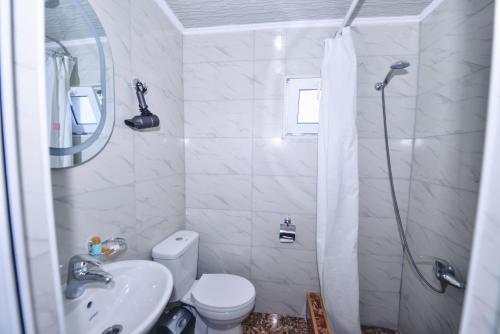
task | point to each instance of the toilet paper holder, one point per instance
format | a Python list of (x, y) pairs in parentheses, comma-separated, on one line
[(287, 231)]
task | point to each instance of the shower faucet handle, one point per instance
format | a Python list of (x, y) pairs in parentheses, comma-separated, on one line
[(445, 273)]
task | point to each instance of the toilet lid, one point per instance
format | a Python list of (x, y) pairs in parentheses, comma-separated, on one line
[(223, 291)]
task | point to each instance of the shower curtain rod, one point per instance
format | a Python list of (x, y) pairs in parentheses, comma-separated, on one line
[(348, 16)]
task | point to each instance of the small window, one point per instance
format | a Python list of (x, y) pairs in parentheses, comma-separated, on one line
[(302, 106), (85, 109)]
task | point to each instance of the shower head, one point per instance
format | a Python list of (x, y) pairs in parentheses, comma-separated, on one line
[(399, 65)]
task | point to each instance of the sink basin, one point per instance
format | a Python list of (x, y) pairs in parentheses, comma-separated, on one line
[(132, 302)]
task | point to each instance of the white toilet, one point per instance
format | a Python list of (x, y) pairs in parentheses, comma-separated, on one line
[(222, 300)]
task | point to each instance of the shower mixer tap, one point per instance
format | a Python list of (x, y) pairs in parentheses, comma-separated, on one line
[(445, 273)]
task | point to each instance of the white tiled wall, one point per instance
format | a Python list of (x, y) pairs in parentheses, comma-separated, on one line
[(135, 187), (243, 178), (451, 112)]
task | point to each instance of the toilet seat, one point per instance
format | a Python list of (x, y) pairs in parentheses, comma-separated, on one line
[(223, 294)]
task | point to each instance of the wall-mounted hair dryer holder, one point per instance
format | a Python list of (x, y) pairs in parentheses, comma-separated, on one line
[(146, 119)]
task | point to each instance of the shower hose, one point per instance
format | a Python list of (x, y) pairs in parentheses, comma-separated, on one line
[(402, 236)]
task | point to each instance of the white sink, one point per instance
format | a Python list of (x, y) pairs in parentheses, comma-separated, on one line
[(134, 300)]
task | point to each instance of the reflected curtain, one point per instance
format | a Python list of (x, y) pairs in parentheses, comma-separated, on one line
[(338, 185), (58, 69)]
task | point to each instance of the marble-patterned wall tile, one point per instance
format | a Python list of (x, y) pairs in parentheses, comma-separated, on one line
[(379, 308), (375, 198), (221, 226), (372, 157), (218, 81), (223, 258), (380, 273), (379, 236), (386, 39), (379, 254), (152, 40), (447, 18), (171, 113), (269, 79), (445, 211), (450, 119), (159, 198), (286, 156), (108, 213), (270, 44), (423, 311), (456, 107), (218, 156), (113, 167), (268, 118), (372, 69), (215, 119), (282, 298), (266, 227), (284, 193), (308, 67), (218, 47), (436, 74), (149, 235), (428, 244), (284, 265), (455, 160), (157, 155), (225, 192), (400, 117), (307, 42)]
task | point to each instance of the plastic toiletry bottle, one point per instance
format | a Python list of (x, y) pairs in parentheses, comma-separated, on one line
[(96, 247)]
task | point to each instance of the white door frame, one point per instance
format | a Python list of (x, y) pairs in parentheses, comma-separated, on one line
[(16, 312)]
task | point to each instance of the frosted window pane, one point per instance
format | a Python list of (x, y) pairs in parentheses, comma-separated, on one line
[(308, 106)]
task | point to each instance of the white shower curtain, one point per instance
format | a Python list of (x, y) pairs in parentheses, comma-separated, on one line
[(338, 185), (60, 129)]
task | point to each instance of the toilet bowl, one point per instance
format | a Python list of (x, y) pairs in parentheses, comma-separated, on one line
[(222, 300)]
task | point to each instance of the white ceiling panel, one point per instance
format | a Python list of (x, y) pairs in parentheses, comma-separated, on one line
[(210, 13)]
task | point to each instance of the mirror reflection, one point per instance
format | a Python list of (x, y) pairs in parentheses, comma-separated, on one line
[(79, 78)]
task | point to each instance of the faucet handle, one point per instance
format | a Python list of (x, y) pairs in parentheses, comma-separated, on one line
[(85, 259), (445, 273)]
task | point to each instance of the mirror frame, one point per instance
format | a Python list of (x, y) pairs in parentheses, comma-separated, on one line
[(63, 151)]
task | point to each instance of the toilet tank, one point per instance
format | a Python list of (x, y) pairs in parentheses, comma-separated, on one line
[(179, 253)]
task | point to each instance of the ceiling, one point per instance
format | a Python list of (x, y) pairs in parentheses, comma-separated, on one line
[(209, 13)]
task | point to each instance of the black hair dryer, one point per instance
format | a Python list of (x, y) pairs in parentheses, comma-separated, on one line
[(146, 119)]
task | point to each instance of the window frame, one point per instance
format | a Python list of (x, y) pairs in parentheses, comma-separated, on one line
[(291, 126), (85, 91)]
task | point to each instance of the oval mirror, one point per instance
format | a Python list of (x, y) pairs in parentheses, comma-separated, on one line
[(79, 82)]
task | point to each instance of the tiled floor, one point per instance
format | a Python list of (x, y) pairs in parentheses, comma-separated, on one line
[(261, 323), (378, 330)]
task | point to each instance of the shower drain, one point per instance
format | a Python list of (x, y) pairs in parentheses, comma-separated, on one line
[(115, 329)]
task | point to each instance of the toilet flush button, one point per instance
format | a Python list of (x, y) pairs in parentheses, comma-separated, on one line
[(179, 238)]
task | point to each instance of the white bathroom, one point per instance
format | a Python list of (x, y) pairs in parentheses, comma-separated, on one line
[(248, 167)]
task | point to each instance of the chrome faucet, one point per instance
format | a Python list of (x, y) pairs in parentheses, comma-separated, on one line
[(445, 273), (82, 271)]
